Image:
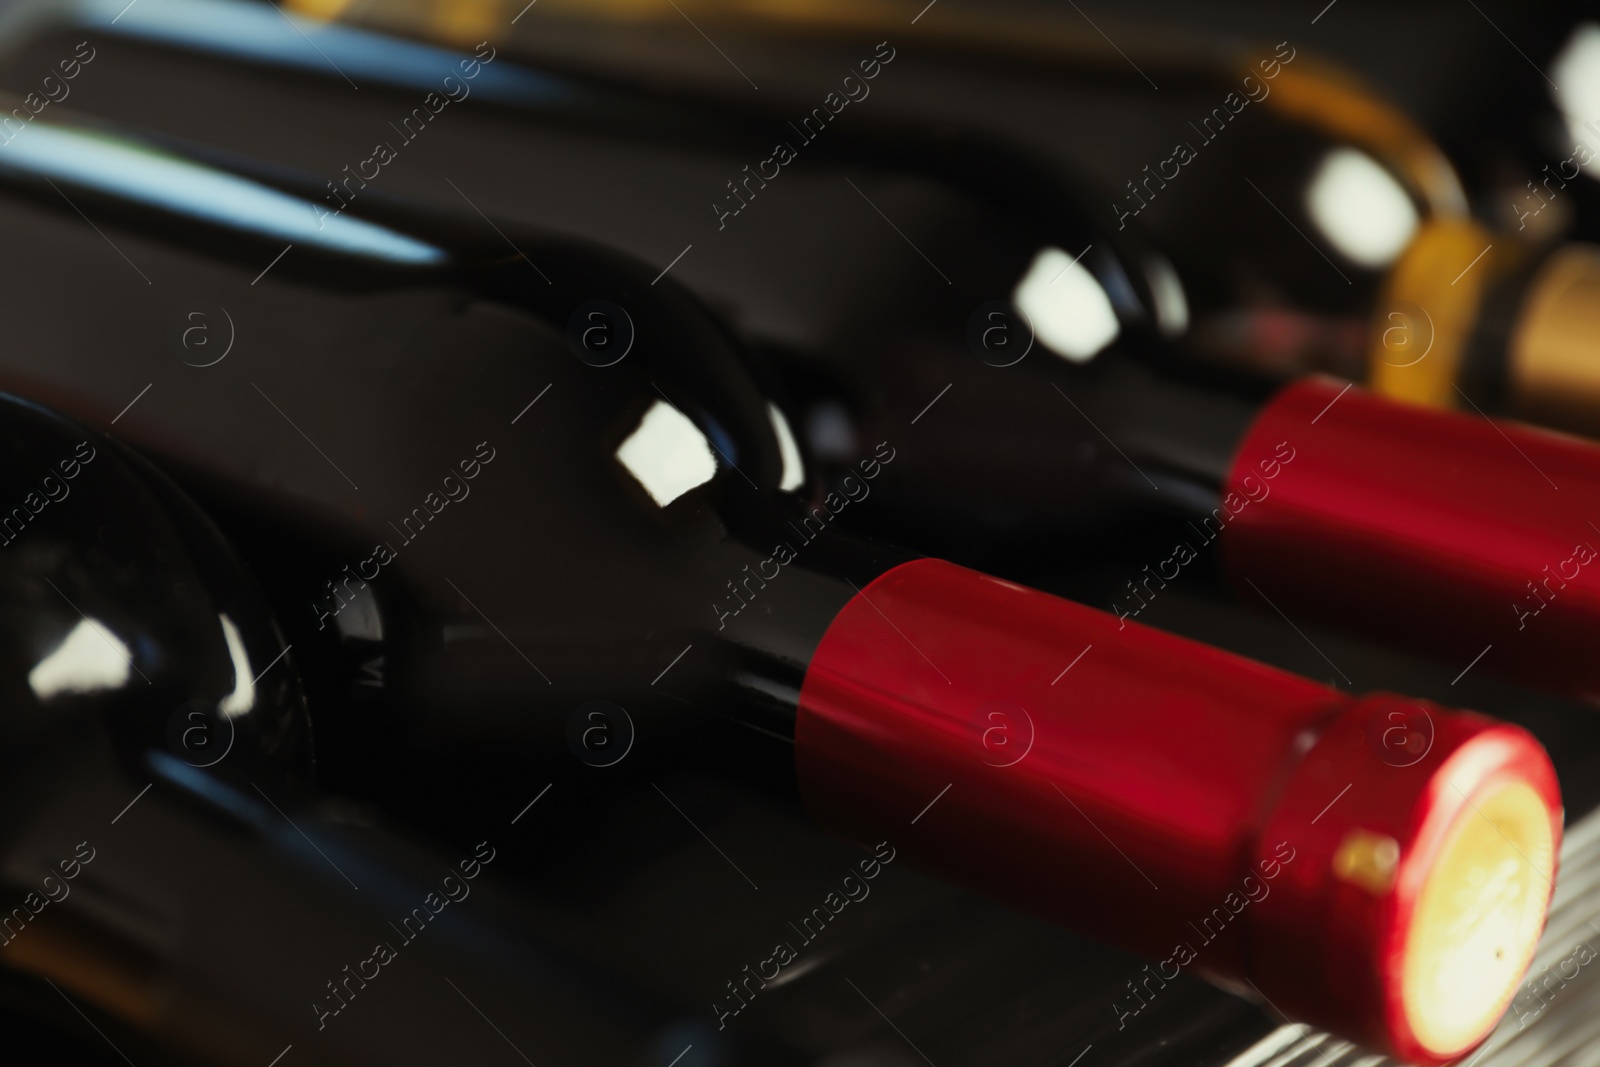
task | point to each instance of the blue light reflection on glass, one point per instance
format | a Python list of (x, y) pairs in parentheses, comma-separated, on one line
[(254, 31), (134, 171)]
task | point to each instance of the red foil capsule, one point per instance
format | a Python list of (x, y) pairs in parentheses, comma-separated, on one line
[(1440, 530), (1374, 865)]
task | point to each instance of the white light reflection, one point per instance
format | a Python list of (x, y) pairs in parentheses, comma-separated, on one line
[(1172, 307), (1361, 208), (794, 472), (89, 659), (243, 697), (667, 454), (1577, 70), (1070, 312)]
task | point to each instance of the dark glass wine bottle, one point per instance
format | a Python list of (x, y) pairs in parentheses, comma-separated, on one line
[(540, 480), (168, 867), (1315, 226)]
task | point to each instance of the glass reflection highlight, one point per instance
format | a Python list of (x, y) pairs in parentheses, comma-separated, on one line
[(667, 454), (128, 169), (1070, 311), (89, 659), (243, 697), (1577, 71), (1361, 208)]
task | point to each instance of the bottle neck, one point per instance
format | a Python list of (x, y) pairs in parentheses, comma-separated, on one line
[(1174, 448), (770, 617), (1178, 429), (1026, 461)]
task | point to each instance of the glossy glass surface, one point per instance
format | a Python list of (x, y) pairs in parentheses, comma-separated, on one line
[(167, 868), (125, 613), (484, 487), (1020, 293)]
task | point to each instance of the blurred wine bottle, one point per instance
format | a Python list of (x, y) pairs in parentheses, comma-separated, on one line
[(1314, 225), (167, 866)]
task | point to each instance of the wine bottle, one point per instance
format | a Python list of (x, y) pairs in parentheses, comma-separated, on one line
[(168, 867), (568, 489), (1099, 425), (1315, 227), (1528, 140)]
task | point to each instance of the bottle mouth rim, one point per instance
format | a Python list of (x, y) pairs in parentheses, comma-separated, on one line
[(1433, 858), (1470, 893), (1471, 907)]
